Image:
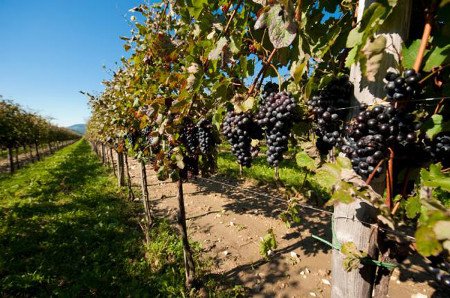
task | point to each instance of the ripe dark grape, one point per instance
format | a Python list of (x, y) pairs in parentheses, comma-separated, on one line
[(373, 131), (329, 110), (239, 128), (205, 136), (402, 87), (276, 116), (269, 88), (440, 149), (189, 137)]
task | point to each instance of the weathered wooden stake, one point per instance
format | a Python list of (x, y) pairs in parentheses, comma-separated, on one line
[(181, 219), (129, 183), (120, 169), (112, 161), (103, 154), (16, 155), (145, 195), (11, 160), (348, 218), (36, 147)]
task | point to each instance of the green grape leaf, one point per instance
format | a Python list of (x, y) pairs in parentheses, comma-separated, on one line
[(435, 125), (248, 104), (351, 57), (413, 206), (344, 193), (409, 53), (324, 179), (305, 161), (438, 56), (217, 51), (195, 7), (344, 162), (426, 242), (282, 27), (353, 256), (297, 70), (435, 178), (354, 38)]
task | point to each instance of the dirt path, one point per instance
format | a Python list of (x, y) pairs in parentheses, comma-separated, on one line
[(229, 222)]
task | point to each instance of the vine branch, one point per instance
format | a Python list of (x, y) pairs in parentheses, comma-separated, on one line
[(261, 72), (232, 17), (424, 42)]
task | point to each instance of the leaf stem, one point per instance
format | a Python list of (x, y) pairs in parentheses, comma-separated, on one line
[(433, 72)]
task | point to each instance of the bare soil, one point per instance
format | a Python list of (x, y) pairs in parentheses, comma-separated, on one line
[(229, 222)]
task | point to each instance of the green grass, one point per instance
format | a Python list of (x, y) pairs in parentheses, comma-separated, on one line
[(291, 176), (65, 229)]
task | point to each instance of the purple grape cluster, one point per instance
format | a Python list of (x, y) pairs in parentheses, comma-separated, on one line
[(330, 108), (239, 128), (372, 132), (276, 116), (402, 87)]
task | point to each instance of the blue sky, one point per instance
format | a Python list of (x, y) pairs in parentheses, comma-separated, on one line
[(51, 49)]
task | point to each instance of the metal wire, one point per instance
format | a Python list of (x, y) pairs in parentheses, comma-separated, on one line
[(305, 206)]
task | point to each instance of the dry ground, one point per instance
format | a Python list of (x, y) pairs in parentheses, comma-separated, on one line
[(229, 222)]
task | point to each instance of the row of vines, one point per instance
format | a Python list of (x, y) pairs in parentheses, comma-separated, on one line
[(358, 88), (20, 129)]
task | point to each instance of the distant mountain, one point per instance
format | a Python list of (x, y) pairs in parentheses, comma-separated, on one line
[(79, 128)]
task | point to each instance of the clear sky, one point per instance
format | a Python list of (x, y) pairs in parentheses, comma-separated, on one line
[(52, 49)]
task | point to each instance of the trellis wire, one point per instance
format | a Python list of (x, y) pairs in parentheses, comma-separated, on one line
[(305, 206)]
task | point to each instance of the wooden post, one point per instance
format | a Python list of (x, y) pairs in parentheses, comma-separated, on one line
[(349, 228), (347, 217), (38, 157), (129, 182), (31, 153), (181, 219), (112, 161), (11, 160), (120, 169), (103, 153), (17, 157), (145, 196)]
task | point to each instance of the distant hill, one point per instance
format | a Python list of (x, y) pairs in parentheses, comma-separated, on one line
[(80, 128)]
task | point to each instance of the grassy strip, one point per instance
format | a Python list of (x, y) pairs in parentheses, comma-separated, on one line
[(65, 229), (291, 176)]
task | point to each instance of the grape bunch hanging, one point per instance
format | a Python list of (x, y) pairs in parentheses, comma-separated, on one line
[(276, 116), (200, 141), (372, 132), (402, 87), (189, 138), (440, 149), (330, 108), (240, 128), (206, 139)]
